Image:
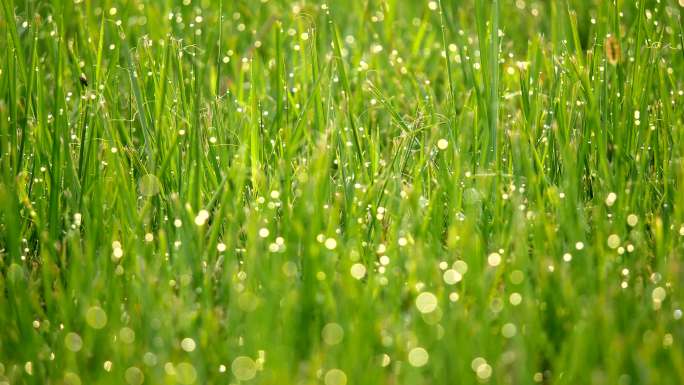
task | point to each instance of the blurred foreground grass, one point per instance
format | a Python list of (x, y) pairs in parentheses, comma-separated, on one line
[(352, 192)]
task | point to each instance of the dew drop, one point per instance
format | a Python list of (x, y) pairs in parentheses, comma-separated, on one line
[(134, 376), (186, 374), (332, 334), (418, 357), (73, 342), (243, 368), (358, 271), (71, 378), (188, 344), (96, 317), (426, 302), (335, 377)]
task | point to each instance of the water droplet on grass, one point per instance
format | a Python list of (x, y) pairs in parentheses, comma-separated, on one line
[(426, 302), (127, 335), (186, 374), (134, 376), (452, 277), (330, 243), (73, 342), (243, 368), (460, 266), (613, 241), (509, 330), (188, 344), (150, 359), (484, 371), (71, 378), (418, 357), (494, 259), (358, 271), (335, 377), (658, 294), (515, 299), (332, 334), (96, 317), (632, 220), (201, 217)]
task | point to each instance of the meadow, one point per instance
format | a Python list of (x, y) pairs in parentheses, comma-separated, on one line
[(341, 193)]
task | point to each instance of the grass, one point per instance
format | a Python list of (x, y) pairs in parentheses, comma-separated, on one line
[(352, 192)]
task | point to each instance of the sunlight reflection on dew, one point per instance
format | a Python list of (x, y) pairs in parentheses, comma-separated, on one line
[(330, 243), (658, 294), (484, 371), (460, 266), (73, 342), (243, 368), (150, 359), (418, 357), (494, 259), (632, 220), (186, 374), (509, 330), (201, 217), (188, 344), (332, 333), (127, 335), (426, 302), (481, 368), (358, 271), (134, 376), (451, 277), (613, 241), (71, 378), (96, 317), (335, 377)]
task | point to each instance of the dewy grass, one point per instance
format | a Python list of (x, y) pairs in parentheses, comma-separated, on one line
[(351, 192)]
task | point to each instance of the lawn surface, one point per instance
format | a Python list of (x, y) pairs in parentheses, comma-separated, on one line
[(352, 192)]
